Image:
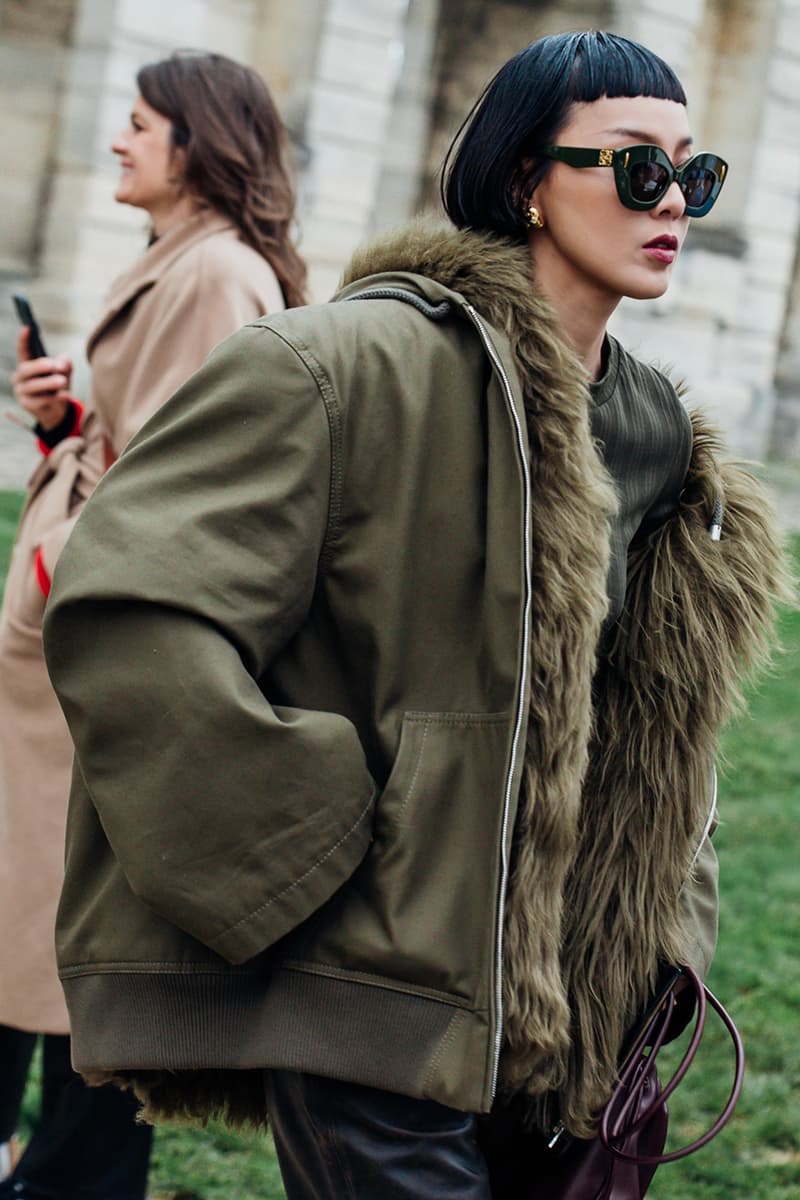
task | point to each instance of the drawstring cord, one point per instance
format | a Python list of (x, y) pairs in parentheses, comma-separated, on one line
[(715, 528)]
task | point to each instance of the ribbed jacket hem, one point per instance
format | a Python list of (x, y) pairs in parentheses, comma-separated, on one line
[(296, 1019)]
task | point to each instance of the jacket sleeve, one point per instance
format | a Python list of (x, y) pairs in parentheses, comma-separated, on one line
[(68, 426), (191, 567)]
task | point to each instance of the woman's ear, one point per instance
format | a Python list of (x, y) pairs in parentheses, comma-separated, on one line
[(177, 168), (521, 181), (524, 187)]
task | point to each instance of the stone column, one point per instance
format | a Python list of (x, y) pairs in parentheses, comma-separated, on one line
[(785, 434), (403, 149), (669, 29), (353, 82), (285, 50), (782, 153), (360, 59), (473, 41), (32, 52)]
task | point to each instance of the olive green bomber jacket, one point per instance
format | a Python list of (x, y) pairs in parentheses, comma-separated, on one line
[(294, 636)]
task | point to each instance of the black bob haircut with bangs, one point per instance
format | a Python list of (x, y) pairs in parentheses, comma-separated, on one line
[(491, 166)]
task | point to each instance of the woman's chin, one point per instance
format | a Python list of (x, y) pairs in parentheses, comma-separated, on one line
[(648, 289), (126, 194)]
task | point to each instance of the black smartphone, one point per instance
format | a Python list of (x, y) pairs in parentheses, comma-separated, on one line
[(25, 314)]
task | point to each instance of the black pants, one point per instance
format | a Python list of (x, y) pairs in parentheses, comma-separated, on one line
[(340, 1141), (85, 1145)]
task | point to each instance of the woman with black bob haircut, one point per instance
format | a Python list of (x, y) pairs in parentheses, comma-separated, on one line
[(452, 659), (525, 107)]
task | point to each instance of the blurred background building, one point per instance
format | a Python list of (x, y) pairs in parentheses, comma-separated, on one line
[(372, 91)]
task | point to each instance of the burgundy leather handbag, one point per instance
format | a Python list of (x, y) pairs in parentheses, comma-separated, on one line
[(619, 1163)]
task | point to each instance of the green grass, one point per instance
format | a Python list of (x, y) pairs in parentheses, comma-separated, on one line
[(10, 506), (757, 969), (214, 1164), (756, 974)]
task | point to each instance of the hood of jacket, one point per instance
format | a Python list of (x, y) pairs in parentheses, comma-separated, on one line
[(608, 825)]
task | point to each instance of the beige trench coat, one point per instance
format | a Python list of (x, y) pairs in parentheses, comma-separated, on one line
[(190, 289)]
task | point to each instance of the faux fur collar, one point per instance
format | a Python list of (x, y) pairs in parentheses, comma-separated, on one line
[(616, 786)]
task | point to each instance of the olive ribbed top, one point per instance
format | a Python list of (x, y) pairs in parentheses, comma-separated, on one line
[(646, 439)]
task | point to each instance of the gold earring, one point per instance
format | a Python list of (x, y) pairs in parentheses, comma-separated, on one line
[(535, 218)]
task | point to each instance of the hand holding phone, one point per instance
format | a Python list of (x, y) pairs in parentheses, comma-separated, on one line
[(41, 384)]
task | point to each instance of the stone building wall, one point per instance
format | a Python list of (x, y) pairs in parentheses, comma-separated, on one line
[(721, 321), (352, 78), (785, 435), (474, 40), (372, 92), (367, 118), (74, 65)]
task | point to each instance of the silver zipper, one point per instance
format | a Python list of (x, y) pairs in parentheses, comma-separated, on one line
[(518, 731)]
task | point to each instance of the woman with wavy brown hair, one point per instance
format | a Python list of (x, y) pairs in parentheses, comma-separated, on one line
[(205, 155), (233, 145)]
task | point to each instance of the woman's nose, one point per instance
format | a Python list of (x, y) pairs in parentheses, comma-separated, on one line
[(673, 200)]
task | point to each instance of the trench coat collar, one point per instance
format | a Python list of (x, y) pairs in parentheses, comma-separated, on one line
[(150, 266)]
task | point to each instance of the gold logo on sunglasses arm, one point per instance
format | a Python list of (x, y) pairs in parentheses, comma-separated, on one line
[(605, 158)]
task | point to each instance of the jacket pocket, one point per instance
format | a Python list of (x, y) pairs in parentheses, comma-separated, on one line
[(421, 909)]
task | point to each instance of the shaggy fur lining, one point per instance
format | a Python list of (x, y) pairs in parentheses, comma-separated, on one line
[(574, 498), (193, 1097), (697, 619), (615, 785)]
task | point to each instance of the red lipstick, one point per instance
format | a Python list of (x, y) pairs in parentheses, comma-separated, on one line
[(663, 248)]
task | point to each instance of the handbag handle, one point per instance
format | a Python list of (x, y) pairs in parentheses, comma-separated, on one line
[(633, 1078)]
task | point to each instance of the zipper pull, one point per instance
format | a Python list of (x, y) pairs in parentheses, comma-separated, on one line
[(556, 1134), (715, 528)]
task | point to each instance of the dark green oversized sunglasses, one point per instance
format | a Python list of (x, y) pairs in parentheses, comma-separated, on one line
[(644, 173)]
